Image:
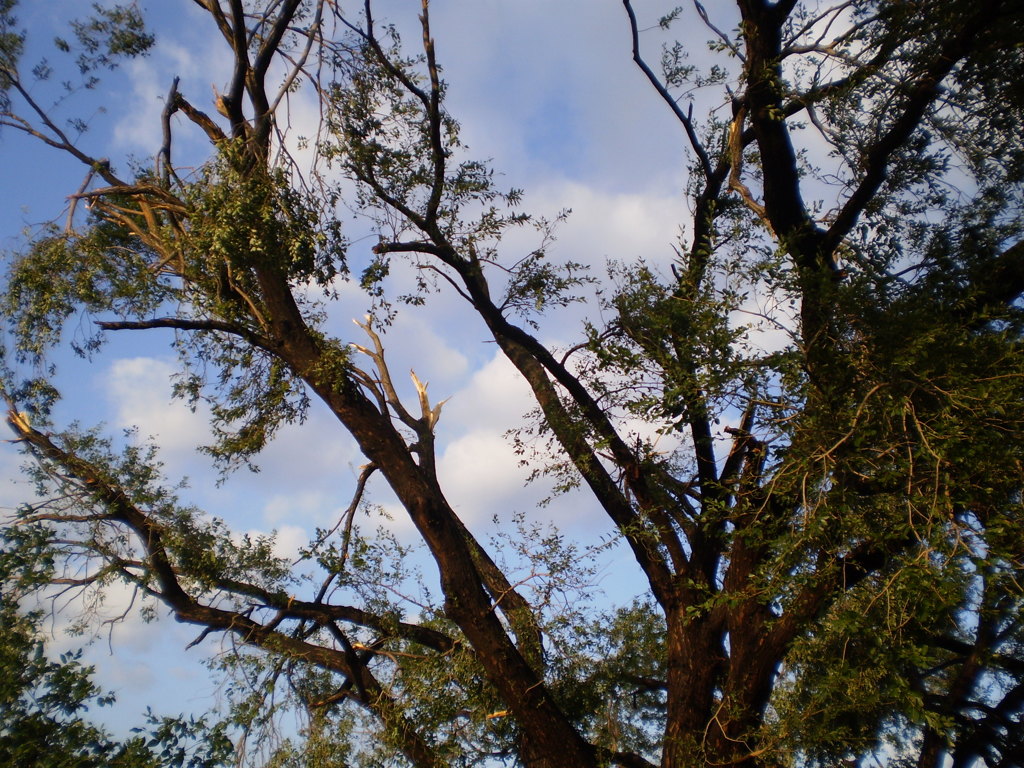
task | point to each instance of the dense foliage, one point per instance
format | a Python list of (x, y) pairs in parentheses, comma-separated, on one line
[(833, 575)]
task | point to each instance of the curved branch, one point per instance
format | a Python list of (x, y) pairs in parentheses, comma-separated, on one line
[(686, 118), (186, 324)]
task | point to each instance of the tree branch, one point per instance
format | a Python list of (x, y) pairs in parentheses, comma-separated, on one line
[(187, 609), (921, 96), (187, 324), (686, 118)]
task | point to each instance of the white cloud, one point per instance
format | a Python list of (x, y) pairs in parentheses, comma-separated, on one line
[(481, 477), (288, 540), (14, 488), (612, 225), (541, 85), (109, 613), (139, 392), (477, 466), (299, 505), (189, 47), (495, 398)]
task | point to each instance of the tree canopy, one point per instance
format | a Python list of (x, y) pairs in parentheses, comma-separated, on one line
[(807, 431)]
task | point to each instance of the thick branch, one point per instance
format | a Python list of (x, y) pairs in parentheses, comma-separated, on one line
[(263, 116), (210, 128)]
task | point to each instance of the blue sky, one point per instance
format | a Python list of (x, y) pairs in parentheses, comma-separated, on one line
[(548, 92)]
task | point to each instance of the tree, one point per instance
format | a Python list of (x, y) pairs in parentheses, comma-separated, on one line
[(43, 702), (838, 579)]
